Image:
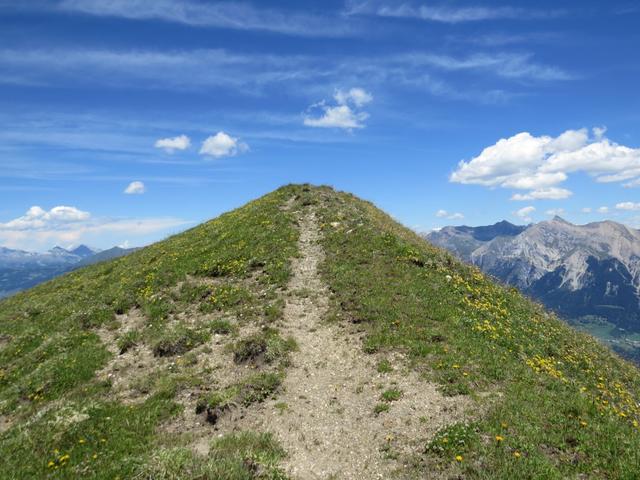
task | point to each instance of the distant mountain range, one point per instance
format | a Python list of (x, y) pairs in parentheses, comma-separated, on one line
[(576, 270), (20, 270)]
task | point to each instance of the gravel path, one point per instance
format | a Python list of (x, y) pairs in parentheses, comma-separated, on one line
[(324, 418)]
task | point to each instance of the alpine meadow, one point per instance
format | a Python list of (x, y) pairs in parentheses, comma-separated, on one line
[(173, 362)]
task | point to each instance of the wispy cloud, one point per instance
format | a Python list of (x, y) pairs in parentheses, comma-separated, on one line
[(232, 15), (253, 74), (508, 65), (449, 215), (525, 213), (157, 69), (444, 13)]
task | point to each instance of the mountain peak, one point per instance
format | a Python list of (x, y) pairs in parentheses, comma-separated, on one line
[(559, 219), (82, 251)]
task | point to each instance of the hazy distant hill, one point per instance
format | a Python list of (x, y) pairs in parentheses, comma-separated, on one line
[(20, 270)]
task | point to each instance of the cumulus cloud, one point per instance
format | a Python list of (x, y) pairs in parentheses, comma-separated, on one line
[(449, 215), (135, 188), (540, 163), (37, 218), (223, 145), (346, 114), (525, 213), (586, 210), (629, 206), (181, 142), (603, 210), (67, 225)]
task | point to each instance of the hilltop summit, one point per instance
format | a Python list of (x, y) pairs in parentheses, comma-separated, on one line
[(304, 335)]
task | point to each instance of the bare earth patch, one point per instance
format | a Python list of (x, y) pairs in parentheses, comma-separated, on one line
[(5, 423), (324, 418), (123, 370)]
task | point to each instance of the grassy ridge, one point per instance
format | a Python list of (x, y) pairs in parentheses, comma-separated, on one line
[(561, 404), (63, 421), (554, 403)]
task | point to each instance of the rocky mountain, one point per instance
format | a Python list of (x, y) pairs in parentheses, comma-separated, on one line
[(577, 270), (304, 335), (20, 270), (463, 240)]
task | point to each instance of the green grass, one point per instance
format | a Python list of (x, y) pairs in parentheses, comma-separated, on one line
[(128, 340), (384, 366), (235, 456), (552, 403), (267, 346), (178, 340), (391, 395), (381, 408), (571, 406), (253, 389), (53, 352)]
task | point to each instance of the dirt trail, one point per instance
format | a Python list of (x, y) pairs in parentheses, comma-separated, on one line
[(324, 417)]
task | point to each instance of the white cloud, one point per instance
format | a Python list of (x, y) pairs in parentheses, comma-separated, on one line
[(555, 212), (346, 114), (36, 218), (586, 210), (443, 14), (630, 206), (540, 164), (135, 188), (603, 210), (234, 15), (449, 215), (70, 225), (507, 65), (222, 145), (341, 116), (357, 96), (206, 69), (632, 184), (599, 132), (525, 212), (181, 142), (550, 193)]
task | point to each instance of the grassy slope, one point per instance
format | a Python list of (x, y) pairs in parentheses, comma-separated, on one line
[(563, 404), (52, 350)]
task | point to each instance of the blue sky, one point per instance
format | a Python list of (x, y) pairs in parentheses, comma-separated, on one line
[(196, 107)]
